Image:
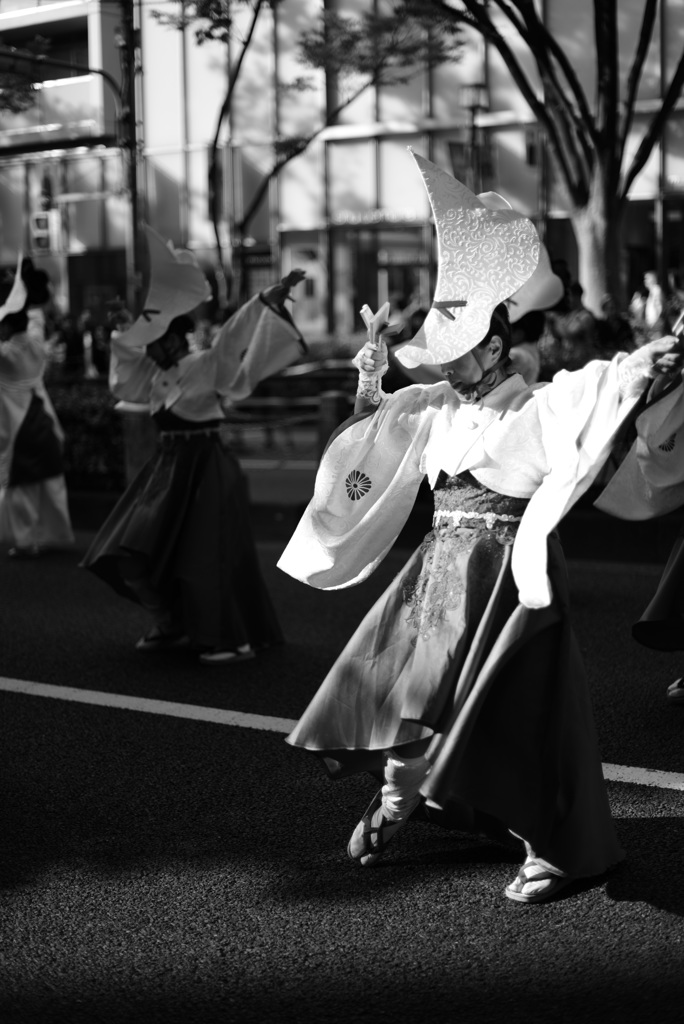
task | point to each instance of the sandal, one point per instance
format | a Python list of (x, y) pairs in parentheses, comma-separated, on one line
[(547, 883), (675, 692), (372, 834), (225, 656), (32, 551), (157, 639)]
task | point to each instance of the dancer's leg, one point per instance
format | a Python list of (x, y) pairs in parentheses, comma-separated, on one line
[(392, 806)]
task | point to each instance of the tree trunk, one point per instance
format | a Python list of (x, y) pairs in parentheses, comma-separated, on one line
[(215, 206), (598, 233)]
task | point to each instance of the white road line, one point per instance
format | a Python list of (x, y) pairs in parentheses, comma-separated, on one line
[(643, 776), (218, 716), (154, 707)]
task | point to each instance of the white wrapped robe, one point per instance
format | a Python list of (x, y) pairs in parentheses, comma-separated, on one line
[(546, 443), (253, 344)]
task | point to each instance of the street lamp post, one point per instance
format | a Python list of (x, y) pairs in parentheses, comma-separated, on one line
[(126, 39)]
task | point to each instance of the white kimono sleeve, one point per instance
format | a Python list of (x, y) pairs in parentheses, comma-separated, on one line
[(253, 344), (579, 413), (365, 489), (130, 373), (650, 480)]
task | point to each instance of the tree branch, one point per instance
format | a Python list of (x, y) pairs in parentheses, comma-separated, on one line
[(213, 175), (655, 128), (480, 20), (296, 150), (643, 46), (607, 86), (578, 121)]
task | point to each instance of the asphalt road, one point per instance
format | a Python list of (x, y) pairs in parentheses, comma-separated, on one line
[(157, 868)]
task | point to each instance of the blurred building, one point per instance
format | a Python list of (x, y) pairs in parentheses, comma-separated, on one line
[(128, 109)]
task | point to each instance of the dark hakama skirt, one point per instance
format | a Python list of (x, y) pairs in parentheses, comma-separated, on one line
[(37, 451), (448, 655), (187, 513), (662, 624)]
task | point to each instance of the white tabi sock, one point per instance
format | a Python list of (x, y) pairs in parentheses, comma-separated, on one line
[(403, 778)]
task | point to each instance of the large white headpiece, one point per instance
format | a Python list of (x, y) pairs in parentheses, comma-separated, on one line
[(487, 252), (541, 291), (177, 286), (16, 300)]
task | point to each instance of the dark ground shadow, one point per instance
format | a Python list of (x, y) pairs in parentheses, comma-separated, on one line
[(653, 872)]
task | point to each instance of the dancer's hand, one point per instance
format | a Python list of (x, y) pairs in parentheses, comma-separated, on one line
[(666, 355), (294, 277), (278, 293), (371, 358)]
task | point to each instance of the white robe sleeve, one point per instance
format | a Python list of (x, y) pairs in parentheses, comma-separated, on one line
[(579, 413), (365, 489), (253, 344), (650, 480), (130, 372)]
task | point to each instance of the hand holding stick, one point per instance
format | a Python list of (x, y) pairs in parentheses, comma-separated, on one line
[(371, 360)]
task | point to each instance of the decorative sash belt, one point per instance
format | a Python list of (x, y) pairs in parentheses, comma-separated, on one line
[(458, 515), (187, 435)]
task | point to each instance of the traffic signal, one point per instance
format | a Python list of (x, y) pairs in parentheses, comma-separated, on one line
[(45, 231), (40, 230)]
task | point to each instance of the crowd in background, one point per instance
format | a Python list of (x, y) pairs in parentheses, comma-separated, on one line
[(565, 337), (79, 346), (569, 335)]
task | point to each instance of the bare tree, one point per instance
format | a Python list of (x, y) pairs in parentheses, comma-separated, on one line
[(357, 53), (214, 20), (587, 142), (354, 52), (18, 78)]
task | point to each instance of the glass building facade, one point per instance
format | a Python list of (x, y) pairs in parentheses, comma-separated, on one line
[(351, 209)]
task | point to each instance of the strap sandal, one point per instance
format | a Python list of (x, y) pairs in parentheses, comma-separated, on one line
[(157, 639), (226, 656), (31, 551), (372, 834), (534, 883), (675, 692)]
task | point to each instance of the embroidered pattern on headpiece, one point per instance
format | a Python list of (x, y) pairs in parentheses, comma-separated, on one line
[(177, 285), (486, 253)]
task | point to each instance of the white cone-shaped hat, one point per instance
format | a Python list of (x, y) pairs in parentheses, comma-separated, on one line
[(541, 291), (486, 253), (177, 286), (16, 300)]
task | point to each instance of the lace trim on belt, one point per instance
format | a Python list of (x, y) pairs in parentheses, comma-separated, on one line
[(187, 435), (458, 515)]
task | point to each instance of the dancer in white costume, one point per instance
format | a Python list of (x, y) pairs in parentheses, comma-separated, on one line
[(179, 541), (464, 686), (34, 511)]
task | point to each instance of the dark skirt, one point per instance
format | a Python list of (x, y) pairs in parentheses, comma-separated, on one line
[(662, 624), (37, 452), (448, 655), (187, 513)]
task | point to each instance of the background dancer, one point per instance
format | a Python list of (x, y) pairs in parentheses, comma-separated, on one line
[(34, 511), (661, 626), (464, 683), (179, 540), (649, 481)]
